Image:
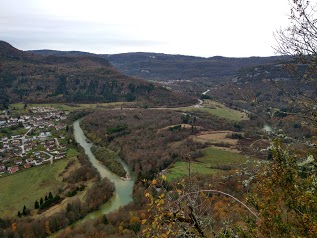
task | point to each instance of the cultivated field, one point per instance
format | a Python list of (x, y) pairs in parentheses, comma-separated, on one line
[(217, 138)]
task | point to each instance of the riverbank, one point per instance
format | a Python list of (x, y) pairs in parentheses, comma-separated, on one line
[(123, 188)]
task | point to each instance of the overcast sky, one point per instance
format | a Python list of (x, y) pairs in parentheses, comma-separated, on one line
[(206, 28)]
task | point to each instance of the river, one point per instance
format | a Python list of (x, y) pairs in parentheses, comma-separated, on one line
[(124, 188)]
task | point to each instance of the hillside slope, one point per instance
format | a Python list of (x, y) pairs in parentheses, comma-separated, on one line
[(166, 67), (83, 78)]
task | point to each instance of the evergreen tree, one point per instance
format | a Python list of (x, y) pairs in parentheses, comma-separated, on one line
[(24, 210), (104, 219), (41, 201), (36, 204), (50, 196)]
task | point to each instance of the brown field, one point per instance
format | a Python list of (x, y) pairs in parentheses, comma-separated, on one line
[(218, 139)]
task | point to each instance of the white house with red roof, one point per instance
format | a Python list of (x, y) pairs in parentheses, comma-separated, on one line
[(13, 169)]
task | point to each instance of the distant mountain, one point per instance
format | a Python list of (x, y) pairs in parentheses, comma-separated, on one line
[(261, 85), (8, 51), (163, 67), (61, 53), (267, 89), (166, 67), (73, 77)]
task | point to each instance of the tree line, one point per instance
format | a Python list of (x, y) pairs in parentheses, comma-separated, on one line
[(145, 136), (110, 159)]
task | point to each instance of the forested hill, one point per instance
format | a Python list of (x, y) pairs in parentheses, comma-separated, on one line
[(81, 78), (165, 67), (8, 51)]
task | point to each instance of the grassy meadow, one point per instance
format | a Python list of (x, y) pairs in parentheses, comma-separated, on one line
[(17, 108), (219, 110), (213, 161), (217, 157), (181, 169), (8, 132), (23, 188)]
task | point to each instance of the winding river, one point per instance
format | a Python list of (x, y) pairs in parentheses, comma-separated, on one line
[(124, 188)]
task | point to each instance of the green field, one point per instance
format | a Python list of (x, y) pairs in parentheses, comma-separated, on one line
[(219, 110), (18, 108), (212, 162), (181, 169), (72, 152), (23, 188), (216, 157), (7, 132)]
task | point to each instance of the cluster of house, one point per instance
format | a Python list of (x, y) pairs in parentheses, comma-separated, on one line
[(42, 117), (37, 145)]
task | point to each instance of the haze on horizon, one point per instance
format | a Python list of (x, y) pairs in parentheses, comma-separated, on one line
[(202, 28)]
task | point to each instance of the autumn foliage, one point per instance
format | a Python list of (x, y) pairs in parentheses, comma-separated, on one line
[(285, 199)]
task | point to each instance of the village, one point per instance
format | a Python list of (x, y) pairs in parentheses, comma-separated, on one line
[(31, 139)]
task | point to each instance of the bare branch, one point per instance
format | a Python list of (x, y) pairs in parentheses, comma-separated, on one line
[(228, 195)]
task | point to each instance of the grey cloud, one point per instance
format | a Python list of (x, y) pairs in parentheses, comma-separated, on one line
[(37, 33)]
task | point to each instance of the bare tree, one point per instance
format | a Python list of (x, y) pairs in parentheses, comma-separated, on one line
[(187, 210), (299, 40)]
